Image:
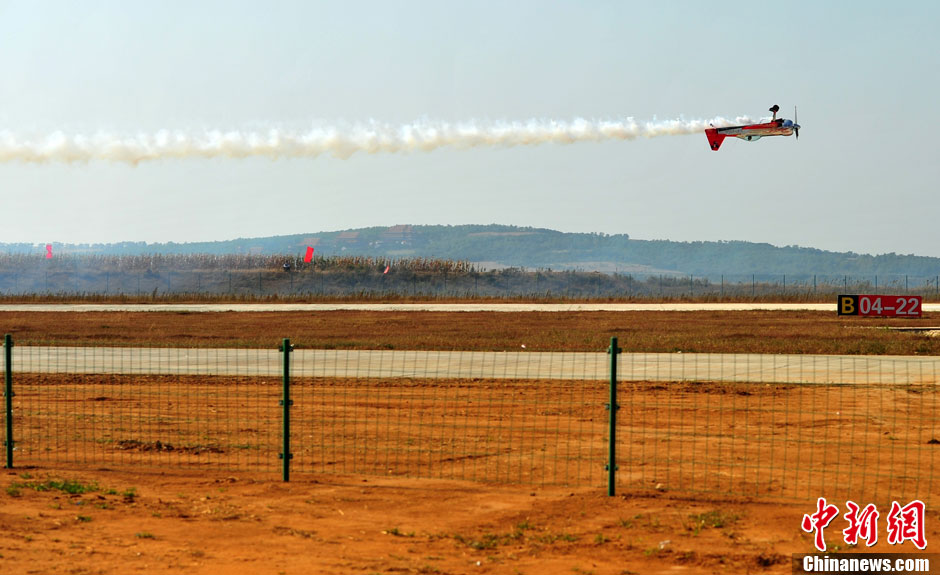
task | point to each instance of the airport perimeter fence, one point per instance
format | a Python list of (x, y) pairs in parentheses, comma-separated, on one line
[(768, 427), (503, 283)]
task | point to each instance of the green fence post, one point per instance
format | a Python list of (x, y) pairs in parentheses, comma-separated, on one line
[(612, 407), (8, 395), (285, 403)]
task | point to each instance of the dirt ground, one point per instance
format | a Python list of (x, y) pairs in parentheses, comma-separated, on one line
[(149, 473), (783, 441), (156, 474), (172, 522)]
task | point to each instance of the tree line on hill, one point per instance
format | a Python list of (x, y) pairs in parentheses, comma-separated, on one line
[(498, 246)]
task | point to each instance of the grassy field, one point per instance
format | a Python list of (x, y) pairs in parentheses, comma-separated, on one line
[(700, 332)]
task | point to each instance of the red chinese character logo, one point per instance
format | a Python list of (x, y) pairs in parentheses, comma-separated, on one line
[(907, 523), (863, 526), (819, 520)]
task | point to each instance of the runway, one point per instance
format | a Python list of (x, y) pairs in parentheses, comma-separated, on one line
[(758, 368)]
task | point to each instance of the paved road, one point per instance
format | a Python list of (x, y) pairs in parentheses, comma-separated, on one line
[(487, 365)]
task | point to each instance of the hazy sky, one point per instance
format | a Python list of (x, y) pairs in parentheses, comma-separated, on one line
[(864, 176)]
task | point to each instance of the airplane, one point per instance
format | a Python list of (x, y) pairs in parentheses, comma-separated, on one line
[(753, 132)]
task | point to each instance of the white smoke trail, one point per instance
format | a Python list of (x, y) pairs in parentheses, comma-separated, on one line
[(339, 142)]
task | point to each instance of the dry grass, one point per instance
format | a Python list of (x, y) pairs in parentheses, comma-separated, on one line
[(713, 332), (243, 277)]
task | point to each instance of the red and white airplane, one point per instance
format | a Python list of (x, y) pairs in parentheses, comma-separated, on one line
[(753, 132)]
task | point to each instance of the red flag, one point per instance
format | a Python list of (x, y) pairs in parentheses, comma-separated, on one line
[(309, 254), (386, 269), (48, 251)]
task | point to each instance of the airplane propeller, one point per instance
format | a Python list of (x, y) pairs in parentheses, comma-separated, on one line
[(796, 126)]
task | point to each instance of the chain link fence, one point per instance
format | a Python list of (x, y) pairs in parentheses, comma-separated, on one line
[(774, 427)]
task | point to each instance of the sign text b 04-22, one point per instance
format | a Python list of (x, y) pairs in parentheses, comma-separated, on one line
[(880, 305)]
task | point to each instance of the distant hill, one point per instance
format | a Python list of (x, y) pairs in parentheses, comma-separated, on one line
[(498, 246)]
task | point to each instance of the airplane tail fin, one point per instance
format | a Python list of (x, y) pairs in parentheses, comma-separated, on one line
[(714, 138)]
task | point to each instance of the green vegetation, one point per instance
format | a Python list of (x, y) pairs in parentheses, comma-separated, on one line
[(517, 535), (71, 487), (66, 486), (488, 540), (715, 519), (553, 537)]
